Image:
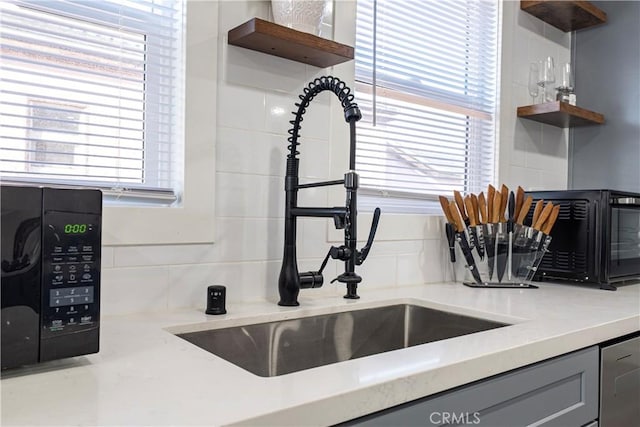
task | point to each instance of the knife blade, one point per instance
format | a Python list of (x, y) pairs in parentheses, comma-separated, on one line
[(510, 225), (487, 245), (492, 228), (543, 248), (502, 242), (544, 239), (522, 235), (505, 237), (545, 222), (539, 242), (480, 219), (472, 212), (464, 213), (449, 227), (464, 245)]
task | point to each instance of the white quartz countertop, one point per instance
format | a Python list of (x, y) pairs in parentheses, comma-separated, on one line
[(144, 375)]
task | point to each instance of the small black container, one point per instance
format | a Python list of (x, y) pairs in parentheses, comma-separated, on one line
[(216, 299)]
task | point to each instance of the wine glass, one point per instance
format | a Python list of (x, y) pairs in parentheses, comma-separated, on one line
[(566, 81), (565, 89), (534, 78), (547, 78)]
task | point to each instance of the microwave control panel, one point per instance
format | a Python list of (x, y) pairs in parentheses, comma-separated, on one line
[(71, 272)]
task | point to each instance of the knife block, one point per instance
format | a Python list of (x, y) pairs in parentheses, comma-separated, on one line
[(504, 255)]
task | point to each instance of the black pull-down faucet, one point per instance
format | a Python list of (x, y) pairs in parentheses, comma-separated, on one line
[(345, 217)]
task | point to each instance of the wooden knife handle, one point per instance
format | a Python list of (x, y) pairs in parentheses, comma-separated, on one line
[(519, 200), (548, 225), (503, 204), (472, 214), (457, 219), (474, 203), (543, 216), (536, 211), (491, 194), (444, 202), (460, 202), (482, 207), (524, 210), (497, 202)]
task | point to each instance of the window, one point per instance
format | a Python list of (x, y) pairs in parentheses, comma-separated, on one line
[(426, 82), (92, 94)]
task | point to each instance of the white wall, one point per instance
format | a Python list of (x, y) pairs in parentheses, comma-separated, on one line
[(256, 93)]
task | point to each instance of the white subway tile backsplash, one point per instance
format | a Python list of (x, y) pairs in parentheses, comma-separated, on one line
[(251, 152), (378, 272), (248, 239), (163, 255), (234, 13), (528, 178), (558, 37), (312, 237), (134, 290), (245, 281), (526, 21), (554, 180), (106, 257), (279, 111), (240, 107), (381, 248), (314, 159), (436, 260), (256, 95), (412, 268), (251, 69), (249, 196)]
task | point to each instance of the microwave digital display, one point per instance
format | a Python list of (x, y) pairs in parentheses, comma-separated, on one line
[(75, 228)]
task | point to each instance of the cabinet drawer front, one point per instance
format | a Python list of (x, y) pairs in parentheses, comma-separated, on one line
[(620, 383), (558, 392)]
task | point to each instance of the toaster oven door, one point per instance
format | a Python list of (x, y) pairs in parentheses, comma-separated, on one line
[(624, 252)]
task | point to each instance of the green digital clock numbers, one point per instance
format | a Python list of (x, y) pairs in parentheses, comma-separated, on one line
[(75, 228)]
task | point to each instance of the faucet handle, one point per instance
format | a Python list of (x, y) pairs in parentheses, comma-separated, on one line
[(362, 255)]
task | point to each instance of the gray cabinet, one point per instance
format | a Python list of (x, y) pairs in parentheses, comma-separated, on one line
[(559, 392), (620, 384)]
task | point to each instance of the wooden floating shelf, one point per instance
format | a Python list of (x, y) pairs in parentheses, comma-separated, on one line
[(273, 39), (565, 15), (560, 114)]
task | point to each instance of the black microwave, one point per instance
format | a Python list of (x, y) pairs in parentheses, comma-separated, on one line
[(50, 273), (596, 239)]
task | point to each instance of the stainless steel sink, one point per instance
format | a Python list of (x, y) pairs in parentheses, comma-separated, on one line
[(278, 348)]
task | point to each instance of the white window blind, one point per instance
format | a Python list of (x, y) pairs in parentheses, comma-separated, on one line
[(92, 94), (426, 78)]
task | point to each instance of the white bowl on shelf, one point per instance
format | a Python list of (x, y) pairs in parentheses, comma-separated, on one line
[(301, 15)]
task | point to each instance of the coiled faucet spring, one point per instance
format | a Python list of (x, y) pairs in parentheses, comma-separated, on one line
[(345, 217)]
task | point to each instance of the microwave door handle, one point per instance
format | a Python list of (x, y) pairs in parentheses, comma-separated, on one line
[(626, 202)]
